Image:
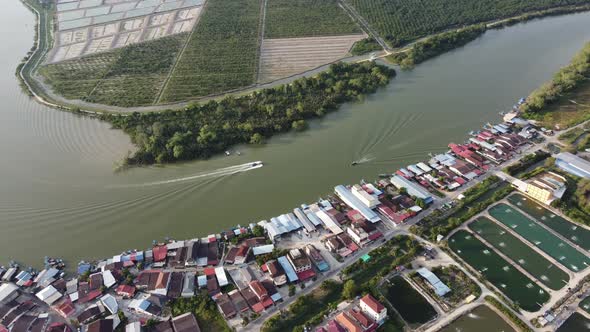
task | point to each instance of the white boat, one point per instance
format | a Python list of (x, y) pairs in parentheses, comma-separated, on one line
[(227, 153), (256, 164)]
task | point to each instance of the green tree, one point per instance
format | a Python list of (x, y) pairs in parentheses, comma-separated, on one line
[(350, 290), (256, 139), (258, 231), (299, 125)]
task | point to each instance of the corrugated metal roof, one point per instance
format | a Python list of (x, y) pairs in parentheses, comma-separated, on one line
[(413, 189), (304, 220), (221, 276), (439, 287), (329, 223), (356, 204), (289, 271), (261, 250)]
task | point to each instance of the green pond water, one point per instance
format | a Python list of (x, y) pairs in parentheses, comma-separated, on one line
[(585, 304), (412, 306), (523, 255), (576, 323), (515, 285), (540, 237), (577, 234), (481, 319)]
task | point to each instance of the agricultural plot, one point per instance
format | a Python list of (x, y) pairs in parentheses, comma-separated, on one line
[(85, 27), (130, 76), (540, 237), (281, 58), (515, 285), (307, 18), (222, 53), (75, 79), (577, 234), (401, 21), (539, 267)]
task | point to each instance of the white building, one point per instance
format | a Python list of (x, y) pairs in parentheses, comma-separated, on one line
[(375, 310), (49, 295), (109, 302), (369, 200), (221, 276), (108, 279), (347, 197), (8, 292)]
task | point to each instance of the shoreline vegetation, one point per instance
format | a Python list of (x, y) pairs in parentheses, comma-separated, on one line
[(436, 45), (199, 131), (545, 103), (447, 41)]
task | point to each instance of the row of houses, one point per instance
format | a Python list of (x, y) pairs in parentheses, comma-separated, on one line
[(462, 163)]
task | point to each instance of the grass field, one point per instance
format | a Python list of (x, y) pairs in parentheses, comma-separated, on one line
[(307, 18), (222, 53), (401, 21), (572, 109), (131, 76)]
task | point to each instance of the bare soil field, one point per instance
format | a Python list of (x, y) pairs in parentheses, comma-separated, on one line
[(284, 57)]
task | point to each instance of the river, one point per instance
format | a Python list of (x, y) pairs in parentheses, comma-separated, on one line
[(59, 195)]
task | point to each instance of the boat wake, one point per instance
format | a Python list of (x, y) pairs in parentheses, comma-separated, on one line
[(363, 160), (210, 174)]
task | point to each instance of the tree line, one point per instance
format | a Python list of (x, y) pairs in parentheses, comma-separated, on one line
[(565, 80), (436, 45), (200, 131)]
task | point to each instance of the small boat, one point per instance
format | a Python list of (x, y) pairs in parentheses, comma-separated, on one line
[(227, 153), (257, 164), (354, 163), (238, 153), (384, 175)]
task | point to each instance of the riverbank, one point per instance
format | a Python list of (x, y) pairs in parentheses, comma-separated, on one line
[(201, 131), (44, 95)]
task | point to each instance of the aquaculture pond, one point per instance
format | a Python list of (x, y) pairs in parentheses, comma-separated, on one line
[(515, 285), (576, 323), (575, 233), (412, 306), (585, 305), (480, 319), (520, 253), (540, 237)]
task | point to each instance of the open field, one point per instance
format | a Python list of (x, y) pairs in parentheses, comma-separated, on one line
[(127, 77), (540, 237), (539, 267), (515, 285), (307, 18), (573, 108), (576, 234), (90, 26), (285, 57), (401, 21), (221, 54)]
